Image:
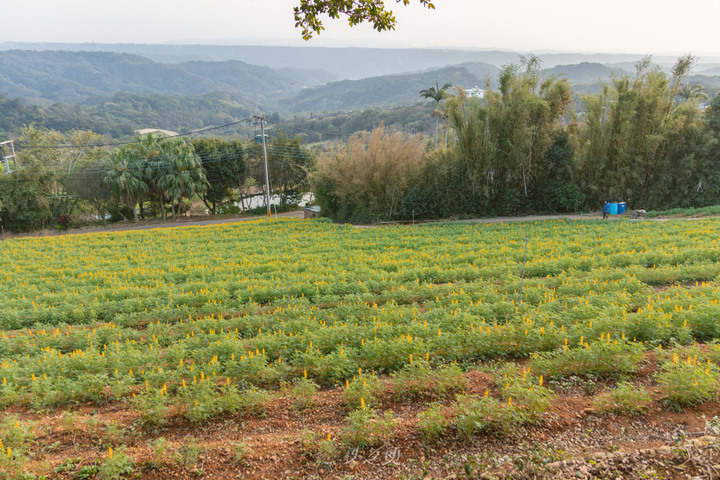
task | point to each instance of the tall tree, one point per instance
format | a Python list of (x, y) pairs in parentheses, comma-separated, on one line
[(182, 175), (25, 205), (225, 169), (502, 140), (475, 146), (125, 177), (437, 93), (692, 92), (528, 113), (289, 164), (170, 169), (623, 140)]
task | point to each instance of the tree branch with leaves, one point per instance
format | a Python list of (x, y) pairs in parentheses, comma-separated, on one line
[(308, 13)]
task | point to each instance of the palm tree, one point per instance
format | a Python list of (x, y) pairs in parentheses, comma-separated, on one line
[(183, 174), (692, 92), (437, 93), (148, 152), (125, 178)]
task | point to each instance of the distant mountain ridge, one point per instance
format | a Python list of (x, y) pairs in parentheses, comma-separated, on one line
[(585, 73), (345, 63)]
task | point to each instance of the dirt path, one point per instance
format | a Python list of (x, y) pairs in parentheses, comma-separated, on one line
[(200, 221)]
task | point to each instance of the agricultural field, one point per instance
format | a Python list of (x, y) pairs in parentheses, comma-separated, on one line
[(305, 349)]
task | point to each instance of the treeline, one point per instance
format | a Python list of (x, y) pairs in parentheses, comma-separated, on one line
[(121, 115), (644, 140), (60, 179), (323, 127)]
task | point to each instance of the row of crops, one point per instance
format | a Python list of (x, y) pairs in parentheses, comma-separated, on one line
[(105, 316)]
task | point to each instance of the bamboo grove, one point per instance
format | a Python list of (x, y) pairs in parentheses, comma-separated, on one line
[(533, 145)]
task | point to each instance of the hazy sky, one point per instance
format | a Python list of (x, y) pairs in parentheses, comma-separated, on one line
[(622, 26)]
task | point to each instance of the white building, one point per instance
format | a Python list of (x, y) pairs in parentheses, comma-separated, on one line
[(476, 92)]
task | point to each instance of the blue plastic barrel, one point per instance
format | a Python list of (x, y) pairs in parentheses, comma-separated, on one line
[(621, 207), (613, 209)]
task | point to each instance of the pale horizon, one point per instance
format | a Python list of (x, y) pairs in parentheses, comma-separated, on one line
[(641, 27)]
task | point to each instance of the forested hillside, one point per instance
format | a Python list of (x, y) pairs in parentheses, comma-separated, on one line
[(125, 112), (85, 77), (376, 91)]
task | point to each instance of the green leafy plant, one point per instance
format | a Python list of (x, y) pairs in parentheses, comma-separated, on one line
[(254, 401), (303, 392), (433, 423), (601, 358), (473, 415), (163, 453), (418, 379), (12, 463), (328, 450), (189, 453), (367, 388), (529, 399), (68, 465), (118, 465), (241, 452), (203, 400), (315, 446), (366, 428), (87, 472), (688, 384), (624, 398), (153, 407), (16, 433)]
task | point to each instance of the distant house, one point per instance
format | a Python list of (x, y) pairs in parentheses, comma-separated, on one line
[(476, 92), (145, 131)]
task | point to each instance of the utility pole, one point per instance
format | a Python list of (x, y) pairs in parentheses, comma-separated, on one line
[(6, 160), (261, 118)]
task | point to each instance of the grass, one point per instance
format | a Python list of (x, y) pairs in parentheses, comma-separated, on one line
[(685, 212)]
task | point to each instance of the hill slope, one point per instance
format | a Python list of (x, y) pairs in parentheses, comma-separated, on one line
[(377, 91), (78, 77)]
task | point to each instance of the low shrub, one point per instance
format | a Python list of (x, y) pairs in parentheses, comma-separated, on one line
[(624, 398), (530, 400), (418, 379), (366, 428), (303, 392), (117, 465), (688, 384), (605, 359), (365, 387), (473, 415), (433, 423)]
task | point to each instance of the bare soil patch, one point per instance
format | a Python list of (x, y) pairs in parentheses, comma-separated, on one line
[(572, 441)]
